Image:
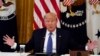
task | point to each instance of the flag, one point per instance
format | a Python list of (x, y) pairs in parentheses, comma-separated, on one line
[(74, 21), (1, 3), (68, 2), (93, 21), (93, 1), (8, 23), (41, 7)]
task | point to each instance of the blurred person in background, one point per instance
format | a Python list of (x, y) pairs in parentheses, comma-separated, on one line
[(8, 27)]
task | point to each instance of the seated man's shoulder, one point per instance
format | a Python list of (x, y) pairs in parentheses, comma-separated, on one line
[(39, 30), (63, 30)]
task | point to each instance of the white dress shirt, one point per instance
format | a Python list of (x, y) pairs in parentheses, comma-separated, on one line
[(53, 41)]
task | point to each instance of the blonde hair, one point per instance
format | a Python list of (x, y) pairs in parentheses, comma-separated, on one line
[(50, 14)]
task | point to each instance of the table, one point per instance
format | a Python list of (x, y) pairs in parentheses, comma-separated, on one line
[(13, 54), (24, 54), (68, 55)]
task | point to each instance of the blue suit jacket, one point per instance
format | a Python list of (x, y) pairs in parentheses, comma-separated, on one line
[(63, 41)]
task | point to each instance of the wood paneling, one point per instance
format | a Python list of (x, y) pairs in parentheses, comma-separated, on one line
[(24, 12)]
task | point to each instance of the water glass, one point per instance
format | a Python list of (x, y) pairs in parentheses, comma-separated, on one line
[(22, 48)]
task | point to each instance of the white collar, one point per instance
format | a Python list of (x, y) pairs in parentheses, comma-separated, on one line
[(53, 33)]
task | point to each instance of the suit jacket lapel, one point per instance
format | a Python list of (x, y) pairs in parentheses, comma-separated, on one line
[(58, 41), (43, 38)]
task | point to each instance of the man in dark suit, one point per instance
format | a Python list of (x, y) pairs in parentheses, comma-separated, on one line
[(51, 39), (39, 39)]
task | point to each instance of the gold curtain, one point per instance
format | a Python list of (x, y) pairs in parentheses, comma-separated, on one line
[(24, 13)]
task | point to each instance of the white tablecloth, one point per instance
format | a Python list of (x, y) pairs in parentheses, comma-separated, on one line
[(13, 54)]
